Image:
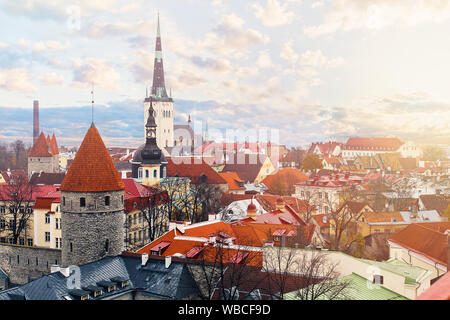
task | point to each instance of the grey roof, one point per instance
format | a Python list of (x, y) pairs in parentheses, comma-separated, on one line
[(3, 274), (153, 279)]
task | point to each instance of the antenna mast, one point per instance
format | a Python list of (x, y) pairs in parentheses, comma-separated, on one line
[(92, 96)]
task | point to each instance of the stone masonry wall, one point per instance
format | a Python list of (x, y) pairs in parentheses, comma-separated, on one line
[(85, 230), (25, 263)]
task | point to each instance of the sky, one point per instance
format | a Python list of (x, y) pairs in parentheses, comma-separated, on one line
[(312, 69)]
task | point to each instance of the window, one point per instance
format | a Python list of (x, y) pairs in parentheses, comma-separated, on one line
[(57, 223), (134, 218), (2, 209), (147, 174), (71, 247), (82, 202), (64, 201), (377, 279), (47, 237), (140, 218), (47, 218), (155, 173), (129, 220), (107, 245), (107, 200), (2, 223), (140, 235), (29, 242), (11, 224), (22, 241), (140, 173)]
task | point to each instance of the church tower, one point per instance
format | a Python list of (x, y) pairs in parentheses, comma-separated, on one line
[(92, 204), (151, 154), (162, 103)]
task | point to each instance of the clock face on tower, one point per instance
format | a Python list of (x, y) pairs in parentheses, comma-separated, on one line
[(151, 134)]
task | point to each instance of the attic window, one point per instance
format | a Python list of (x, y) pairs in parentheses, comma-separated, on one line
[(377, 279)]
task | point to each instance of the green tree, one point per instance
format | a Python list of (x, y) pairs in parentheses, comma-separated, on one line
[(312, 162)]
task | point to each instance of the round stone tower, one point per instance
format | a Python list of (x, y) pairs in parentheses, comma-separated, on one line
[(92, 206)]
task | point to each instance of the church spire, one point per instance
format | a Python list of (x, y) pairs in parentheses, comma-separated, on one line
[(159, 86)]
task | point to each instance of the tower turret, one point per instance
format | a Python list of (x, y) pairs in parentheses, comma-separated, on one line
[(92, 204)]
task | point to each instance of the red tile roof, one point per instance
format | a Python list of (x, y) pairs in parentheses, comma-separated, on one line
[(427, 239), (384, 144), (287, 177), (54, 145), (232, 179), (440, 290), (45, 203), (93, 168), (193, 169), (40, 147)]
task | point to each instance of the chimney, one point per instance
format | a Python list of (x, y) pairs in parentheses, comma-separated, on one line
[(251, 210), (168, 260), (65, 271), (55, 268), (35, 120), (280, 204), (144, 259)]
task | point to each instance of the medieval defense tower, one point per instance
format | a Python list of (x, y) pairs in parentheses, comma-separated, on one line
[(92, 210)]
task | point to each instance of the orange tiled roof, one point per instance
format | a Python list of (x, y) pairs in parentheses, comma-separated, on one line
[(40, 147), (232, 179), (93, 168), (380, 217), (193, 169), (427, 239), (288, 176), (54, 145)]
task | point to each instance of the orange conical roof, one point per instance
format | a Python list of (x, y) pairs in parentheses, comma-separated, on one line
[(54, 145), (93, 168), (40, 147)]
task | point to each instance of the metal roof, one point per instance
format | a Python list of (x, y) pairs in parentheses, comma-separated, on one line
[(153, 279)]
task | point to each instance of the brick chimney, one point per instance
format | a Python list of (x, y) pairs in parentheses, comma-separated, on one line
[(35, 120)]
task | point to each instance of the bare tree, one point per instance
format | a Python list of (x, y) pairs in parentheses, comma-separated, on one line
[(18, 198), (343, 219), (204, 198), (317, 277), (155, 213), (225, 271)]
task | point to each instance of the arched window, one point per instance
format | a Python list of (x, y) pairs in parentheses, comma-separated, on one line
[(82, 202), (155, 173), (107, 200)]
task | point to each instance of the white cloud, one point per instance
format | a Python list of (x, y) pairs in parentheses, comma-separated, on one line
[(318, 59), (273, 14), (229, 36), (16, 79), (52, 79), (95, 71), (264, 61), (348, 15), (288, 53)]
